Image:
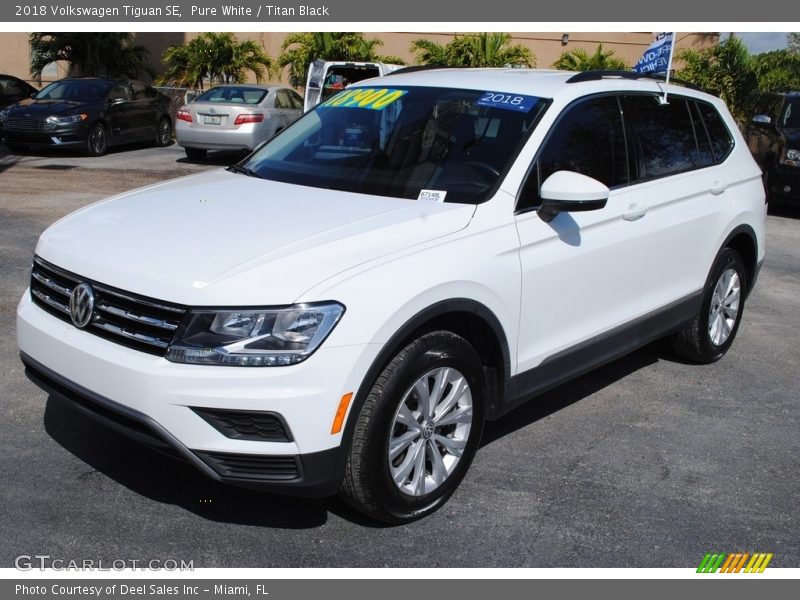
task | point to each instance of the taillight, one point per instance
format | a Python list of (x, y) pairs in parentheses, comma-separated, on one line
[(184, 115), (248, 118)]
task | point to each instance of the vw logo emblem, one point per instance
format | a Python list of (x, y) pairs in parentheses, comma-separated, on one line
[(212, 110), (81, 305)]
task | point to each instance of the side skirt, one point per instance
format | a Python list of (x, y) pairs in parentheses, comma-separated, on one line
[(602, 349)]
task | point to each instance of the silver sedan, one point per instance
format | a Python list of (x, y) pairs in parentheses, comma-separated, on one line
[(235, 117)]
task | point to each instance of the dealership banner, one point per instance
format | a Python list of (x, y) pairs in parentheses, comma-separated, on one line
[(385, 589), (358, 11)]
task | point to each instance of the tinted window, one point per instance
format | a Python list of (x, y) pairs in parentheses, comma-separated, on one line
[(233, 95), (790, 119), (295, 100), (664, 135), (588, 139), (139, 90), (281, 101), (121, 91), (718, 134), (400, 141), (9, 87), (703, 142), (86, 90)]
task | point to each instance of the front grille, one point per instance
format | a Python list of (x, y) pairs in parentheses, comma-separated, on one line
[(122, 317), (25, 124), (246, 425), (252, 466)]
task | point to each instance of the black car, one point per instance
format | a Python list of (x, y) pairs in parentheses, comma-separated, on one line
[(13, 89), (89, 113), (774, 139)]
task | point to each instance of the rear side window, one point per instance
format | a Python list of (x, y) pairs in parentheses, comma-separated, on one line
[(665, 136), (718, 134)]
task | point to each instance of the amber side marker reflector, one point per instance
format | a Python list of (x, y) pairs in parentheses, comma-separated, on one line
[(338, 420)]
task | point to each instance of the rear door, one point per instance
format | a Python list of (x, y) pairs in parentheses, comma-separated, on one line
[(683, 192), (144, 111)]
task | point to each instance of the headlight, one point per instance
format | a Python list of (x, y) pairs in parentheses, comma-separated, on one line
[(792, 158), (3, 115), (254, 338), (66, 120)]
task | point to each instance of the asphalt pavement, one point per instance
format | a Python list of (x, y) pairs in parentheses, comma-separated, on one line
[(646, 462)]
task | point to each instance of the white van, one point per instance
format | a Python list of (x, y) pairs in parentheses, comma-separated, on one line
[(326, 78)]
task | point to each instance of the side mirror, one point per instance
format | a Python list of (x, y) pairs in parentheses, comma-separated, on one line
[(33, 94), (567, 191), (762, 120)]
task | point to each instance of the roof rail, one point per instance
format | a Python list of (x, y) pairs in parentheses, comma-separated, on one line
[(415, 68), (598, 75)]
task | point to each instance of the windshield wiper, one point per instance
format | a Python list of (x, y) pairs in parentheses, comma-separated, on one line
[(243, 170)]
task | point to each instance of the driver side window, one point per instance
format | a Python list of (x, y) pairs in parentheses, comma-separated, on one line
[(588, 138), (120, 92)]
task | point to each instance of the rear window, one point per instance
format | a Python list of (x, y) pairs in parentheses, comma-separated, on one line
[(665, 136), (233, 95), (718, 134)]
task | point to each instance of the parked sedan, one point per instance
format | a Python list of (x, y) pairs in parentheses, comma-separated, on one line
[(235, 117), (89, 113), (13, 89)]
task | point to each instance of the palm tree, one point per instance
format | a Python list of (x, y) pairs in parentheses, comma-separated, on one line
[(726, 70), (218, 57), (94, 54), (474, 50), (299, 50), (579, 59)]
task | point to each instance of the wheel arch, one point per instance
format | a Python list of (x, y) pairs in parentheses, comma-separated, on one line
[(744, 241), (468, 318)]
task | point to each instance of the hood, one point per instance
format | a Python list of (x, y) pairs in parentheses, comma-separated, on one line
[(220, 238), (45, 108)]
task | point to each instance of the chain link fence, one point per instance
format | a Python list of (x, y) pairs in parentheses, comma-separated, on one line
[(178, 96)]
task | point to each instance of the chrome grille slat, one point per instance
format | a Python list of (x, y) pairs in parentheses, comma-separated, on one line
[(50, 302), (144, 324), (131, 335), (126, 314), (51, 284), (20, 124)]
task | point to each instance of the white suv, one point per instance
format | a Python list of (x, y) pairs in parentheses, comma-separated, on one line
[(343, 310)]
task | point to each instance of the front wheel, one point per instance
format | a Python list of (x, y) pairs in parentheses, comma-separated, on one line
[(97, 142), (709, 336), (164, 132), (418, 430)]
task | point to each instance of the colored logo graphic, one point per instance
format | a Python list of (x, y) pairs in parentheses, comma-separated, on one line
[(734, 562)]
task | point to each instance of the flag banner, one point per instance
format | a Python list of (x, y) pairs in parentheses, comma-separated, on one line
[(656, 59)]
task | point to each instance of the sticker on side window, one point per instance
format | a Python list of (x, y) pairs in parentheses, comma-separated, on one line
[(371, 98), (515, 102), (432, 195)]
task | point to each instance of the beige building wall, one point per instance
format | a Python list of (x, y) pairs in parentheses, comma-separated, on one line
[(547, 47)]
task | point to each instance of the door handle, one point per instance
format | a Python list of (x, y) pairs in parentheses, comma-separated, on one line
[(634, 213), (718, 188)]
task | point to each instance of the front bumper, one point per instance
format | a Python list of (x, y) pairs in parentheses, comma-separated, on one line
[(784, 184), (157, 402), (67, 135)]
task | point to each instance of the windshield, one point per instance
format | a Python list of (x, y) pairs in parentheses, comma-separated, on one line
[(791, 115), (78, 91), (401, 142), (233, 95)]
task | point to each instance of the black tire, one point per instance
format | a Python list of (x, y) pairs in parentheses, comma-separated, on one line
[(196, 153), (97, 140), (695, 342), (164, 132), (368, 485)]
